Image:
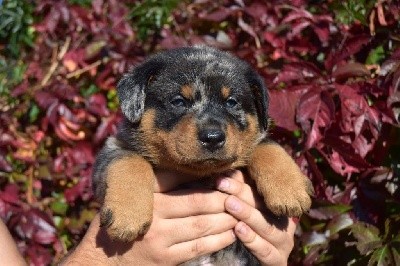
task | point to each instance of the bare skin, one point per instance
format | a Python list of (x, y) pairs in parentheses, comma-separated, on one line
[(192, 222), (270, 244), (9, 253), (186, 224)]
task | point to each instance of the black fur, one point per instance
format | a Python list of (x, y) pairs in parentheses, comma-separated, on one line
[(156, 85), (155, 82)]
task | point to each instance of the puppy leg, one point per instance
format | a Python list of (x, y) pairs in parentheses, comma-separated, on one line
[(285, 189), (128, 204)]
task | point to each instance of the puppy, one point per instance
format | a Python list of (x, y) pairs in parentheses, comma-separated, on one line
[(198, 111)]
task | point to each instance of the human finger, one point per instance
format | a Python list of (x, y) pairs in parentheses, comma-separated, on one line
[(186, 251), (265, 252), (235, 186), (194, 227), (188, 202), (255, 219)]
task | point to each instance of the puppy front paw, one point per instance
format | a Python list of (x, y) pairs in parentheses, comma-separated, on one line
[(285, 189), (291, 199), (124, 224)]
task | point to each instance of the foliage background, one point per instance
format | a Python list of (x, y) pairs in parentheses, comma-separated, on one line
[(333, 71)]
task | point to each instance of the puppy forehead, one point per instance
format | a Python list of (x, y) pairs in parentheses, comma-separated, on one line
[(189, 78)]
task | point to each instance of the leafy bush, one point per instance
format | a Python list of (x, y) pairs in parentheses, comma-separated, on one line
[(333, 70), (15, 25)]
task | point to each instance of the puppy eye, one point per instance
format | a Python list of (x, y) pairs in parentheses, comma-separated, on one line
[(178, 101), (231, 102)]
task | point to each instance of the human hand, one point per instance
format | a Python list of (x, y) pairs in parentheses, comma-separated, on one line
[(269, 239), (187, 223)]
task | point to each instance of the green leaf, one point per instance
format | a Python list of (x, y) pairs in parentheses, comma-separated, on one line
[(375, 56), (367, 237), (83, 3), (339, 223), (381, 257), (149, 16), (86, 216), (33, 113), (15, 25), (297, 133), (396, 238), (314, 239), (349, 11), (328, 212), (396, 255), (92, 89), (59, 207)]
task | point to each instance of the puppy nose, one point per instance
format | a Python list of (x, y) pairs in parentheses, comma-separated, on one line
[(212, 139)]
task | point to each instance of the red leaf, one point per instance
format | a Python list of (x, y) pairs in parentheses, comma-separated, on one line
[(258, 11), (350, 47), (97, 6), (45, 99), (274, 40), (50, 22), (282, 106), (106, 79), (34, 71), (97, 104), (342, 156), (297, 14), (82, 154), (315, 114), (323, 32), (82, 189), (298, 72), (35, 225), (297, 28), (107, 127), (74, 59), (249, 29), (350, 70), (39, 255), (20, 89), (338, 163), (356, 111), (217, 16), (10, 194), (317, 177), (362, 145), (4, 165)]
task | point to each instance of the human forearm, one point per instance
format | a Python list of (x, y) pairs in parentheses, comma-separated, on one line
[(91, 250), (9, 253)]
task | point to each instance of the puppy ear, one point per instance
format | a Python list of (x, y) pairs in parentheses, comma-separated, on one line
[(260, 97), (131, 89)]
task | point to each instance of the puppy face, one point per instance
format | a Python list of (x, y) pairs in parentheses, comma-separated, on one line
[(198, 110)]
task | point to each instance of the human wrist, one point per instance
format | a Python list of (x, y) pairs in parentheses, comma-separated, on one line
[(91, 250), (86, 256)]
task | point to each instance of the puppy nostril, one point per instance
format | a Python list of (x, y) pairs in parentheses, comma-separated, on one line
[(212, 139)]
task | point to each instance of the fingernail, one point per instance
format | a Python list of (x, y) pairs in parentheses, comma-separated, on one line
[(233, 234), (233, 205), (241, 229), (223, 184)]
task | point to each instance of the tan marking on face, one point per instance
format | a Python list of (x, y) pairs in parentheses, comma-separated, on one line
[(243, 142), (169, 149), (179, 148), (148, 137), (187, 91), (225, 92), (180, 145)]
